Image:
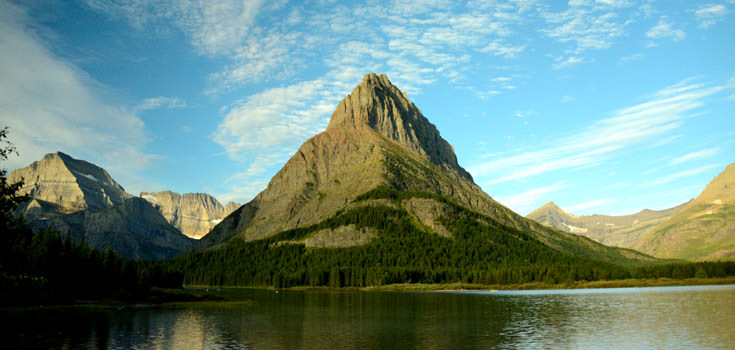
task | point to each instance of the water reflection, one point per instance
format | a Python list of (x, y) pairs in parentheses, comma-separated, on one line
[(624, 319)]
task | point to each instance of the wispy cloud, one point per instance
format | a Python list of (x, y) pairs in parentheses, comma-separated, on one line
[(664, 30), (161, 102), (563, 62), (709, 15), (683, 174), (705, 153), (586, 205), (531, 199), (593, 145), (214, 27), (50, 105), (587, 25)]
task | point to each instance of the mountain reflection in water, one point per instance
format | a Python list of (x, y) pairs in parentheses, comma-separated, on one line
[(633, 318)]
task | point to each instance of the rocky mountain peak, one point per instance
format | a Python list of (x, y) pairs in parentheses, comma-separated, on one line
[(551, 205), (71, 183), (378, 105)]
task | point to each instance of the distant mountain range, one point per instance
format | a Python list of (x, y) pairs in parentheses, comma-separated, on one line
[(194, 214), (78, 197), (701, 229)]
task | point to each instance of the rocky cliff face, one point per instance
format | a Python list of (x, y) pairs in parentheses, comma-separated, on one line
[(379, 106), (132, 228), (68, 185), (375, 138), (194, 214)]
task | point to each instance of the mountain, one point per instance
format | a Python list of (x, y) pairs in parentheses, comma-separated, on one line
[(77, 197), (132, 228), (194, 214), (618, 231), (61, 184), (701, 229), (379, 151)]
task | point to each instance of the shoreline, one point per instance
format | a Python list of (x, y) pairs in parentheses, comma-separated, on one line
[(411, 287), (211, 295)]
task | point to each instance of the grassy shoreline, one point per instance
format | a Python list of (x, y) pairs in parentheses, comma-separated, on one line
[(409, 287), (206, 296)]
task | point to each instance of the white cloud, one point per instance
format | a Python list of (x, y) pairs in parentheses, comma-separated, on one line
[(497, 48), (563, 62), (214, 27), (273, 119), (631, 58), (51, 105), (664, 30), (266, 128), (705, 153), (682, 174), (531, 199), (589, 25), (161, 102), (632, 126), (710, 14), (587, 205)]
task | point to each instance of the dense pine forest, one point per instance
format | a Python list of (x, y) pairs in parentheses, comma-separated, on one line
[(480, 251)]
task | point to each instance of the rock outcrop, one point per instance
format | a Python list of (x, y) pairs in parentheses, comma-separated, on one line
[(194, 214), (63, 184)]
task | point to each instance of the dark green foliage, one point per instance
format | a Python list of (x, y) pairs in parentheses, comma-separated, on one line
[(44, 268), (479, 252), (686, 270)]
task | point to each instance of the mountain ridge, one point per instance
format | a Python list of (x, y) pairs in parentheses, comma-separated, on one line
[(701, 229), (194, 214), (79, 198)]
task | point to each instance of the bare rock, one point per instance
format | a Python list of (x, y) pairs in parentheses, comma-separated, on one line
[(341, 237), (71, 184), (194, 214)]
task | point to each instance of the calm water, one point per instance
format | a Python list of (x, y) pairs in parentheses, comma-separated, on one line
[(630, 318)]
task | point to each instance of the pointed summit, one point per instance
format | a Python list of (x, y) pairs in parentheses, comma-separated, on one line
[(378, 105), (73, 184), (377, 145)]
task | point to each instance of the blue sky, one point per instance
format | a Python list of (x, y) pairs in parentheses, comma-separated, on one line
[(606, 106)]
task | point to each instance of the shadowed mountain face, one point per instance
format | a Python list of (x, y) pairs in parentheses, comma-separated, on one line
[(377, 138), (77, 197), (701, 229), (132, 228)]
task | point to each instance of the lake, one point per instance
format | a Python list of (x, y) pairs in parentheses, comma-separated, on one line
[(701, 317)]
